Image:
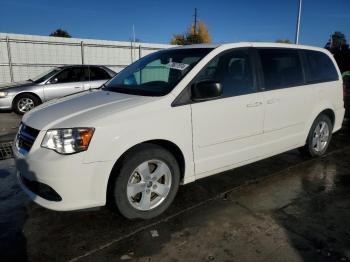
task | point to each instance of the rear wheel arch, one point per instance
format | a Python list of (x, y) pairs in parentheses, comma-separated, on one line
[(321, 138), (328, 111)]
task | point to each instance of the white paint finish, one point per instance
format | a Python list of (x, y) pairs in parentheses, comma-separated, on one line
[(286, 116), (213, 136), (80, 185), (226, 131), (124, 126)]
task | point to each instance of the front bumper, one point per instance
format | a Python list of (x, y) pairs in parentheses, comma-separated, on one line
[(6, 102), (79, 185)]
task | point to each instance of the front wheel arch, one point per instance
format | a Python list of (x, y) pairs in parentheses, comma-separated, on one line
[(118, 198), (23, 94), (166, 144)]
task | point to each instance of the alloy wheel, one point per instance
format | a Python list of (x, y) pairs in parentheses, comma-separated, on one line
[(149, 185)]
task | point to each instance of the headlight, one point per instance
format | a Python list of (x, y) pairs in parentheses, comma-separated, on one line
[(3, 93), (68, 140)]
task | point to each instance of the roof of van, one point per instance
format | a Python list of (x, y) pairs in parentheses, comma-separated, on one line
[(253, 44)]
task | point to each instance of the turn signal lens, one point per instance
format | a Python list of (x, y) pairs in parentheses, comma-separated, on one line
[(85, 137)]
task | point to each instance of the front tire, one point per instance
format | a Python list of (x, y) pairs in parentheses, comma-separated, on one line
[(319, 137), (24, 103), (146, 183)]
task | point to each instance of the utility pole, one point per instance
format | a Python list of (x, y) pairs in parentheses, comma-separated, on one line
[(298, 24), (133, 33), (195, 21), (133, 39)]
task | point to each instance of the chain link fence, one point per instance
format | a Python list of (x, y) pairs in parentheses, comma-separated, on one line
[(25, 56)]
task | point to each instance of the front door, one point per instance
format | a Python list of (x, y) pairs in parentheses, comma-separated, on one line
[(228, 130), (66, 82)]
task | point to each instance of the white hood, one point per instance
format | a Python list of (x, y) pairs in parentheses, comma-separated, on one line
[(81, 109)]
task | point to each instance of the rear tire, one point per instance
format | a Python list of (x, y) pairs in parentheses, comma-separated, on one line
[(319, 137), (24, 103), (146, 183)]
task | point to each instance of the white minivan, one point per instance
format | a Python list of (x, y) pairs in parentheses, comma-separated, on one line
[(175, 116)]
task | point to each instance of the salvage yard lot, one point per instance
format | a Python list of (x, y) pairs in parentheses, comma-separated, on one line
[(282, 208), (9, 123)]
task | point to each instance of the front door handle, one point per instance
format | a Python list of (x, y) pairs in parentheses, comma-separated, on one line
[(256, 104), (273, 101), (77, 87)]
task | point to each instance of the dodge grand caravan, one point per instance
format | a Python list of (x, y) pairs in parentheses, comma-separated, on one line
[(175, 116)]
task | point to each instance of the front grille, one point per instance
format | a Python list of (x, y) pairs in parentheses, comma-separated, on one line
[(26, 137)]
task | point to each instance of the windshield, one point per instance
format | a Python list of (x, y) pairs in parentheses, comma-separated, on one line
[(46, 75), (158, 73)]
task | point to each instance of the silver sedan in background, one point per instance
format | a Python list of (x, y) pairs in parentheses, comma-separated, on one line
[(57, 82)]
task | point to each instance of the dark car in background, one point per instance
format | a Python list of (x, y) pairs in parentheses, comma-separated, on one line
[(57, 82), (346, 82)]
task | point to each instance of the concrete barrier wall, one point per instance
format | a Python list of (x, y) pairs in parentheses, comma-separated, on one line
[(25, 56)]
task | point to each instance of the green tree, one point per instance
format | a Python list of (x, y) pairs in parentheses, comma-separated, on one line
[(60, 33), (283, 41), (337, 42)]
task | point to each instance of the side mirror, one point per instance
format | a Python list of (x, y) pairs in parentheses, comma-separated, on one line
[(53, 81), (206, 90)]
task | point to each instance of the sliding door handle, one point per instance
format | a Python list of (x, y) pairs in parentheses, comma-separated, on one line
[(256, 104)]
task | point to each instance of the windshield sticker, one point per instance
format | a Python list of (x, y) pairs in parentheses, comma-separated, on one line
[(177, 66)]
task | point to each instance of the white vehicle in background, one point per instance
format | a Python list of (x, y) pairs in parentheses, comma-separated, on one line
[(55, 83), (175, 116)]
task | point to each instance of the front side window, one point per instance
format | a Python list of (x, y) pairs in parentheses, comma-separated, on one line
[(233, 70), (321, 67), (281, 68), (74, 74), (158, 73), (45, 76)]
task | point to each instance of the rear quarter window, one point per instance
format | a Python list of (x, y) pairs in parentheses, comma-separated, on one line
[(97, 73), (321, 67)]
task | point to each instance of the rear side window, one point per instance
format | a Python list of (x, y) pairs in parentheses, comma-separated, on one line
[(97, 73), (321, 67), (281, 68)]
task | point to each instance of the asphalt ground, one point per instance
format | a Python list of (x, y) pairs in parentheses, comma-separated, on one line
[(284, 208), (9, 123)]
